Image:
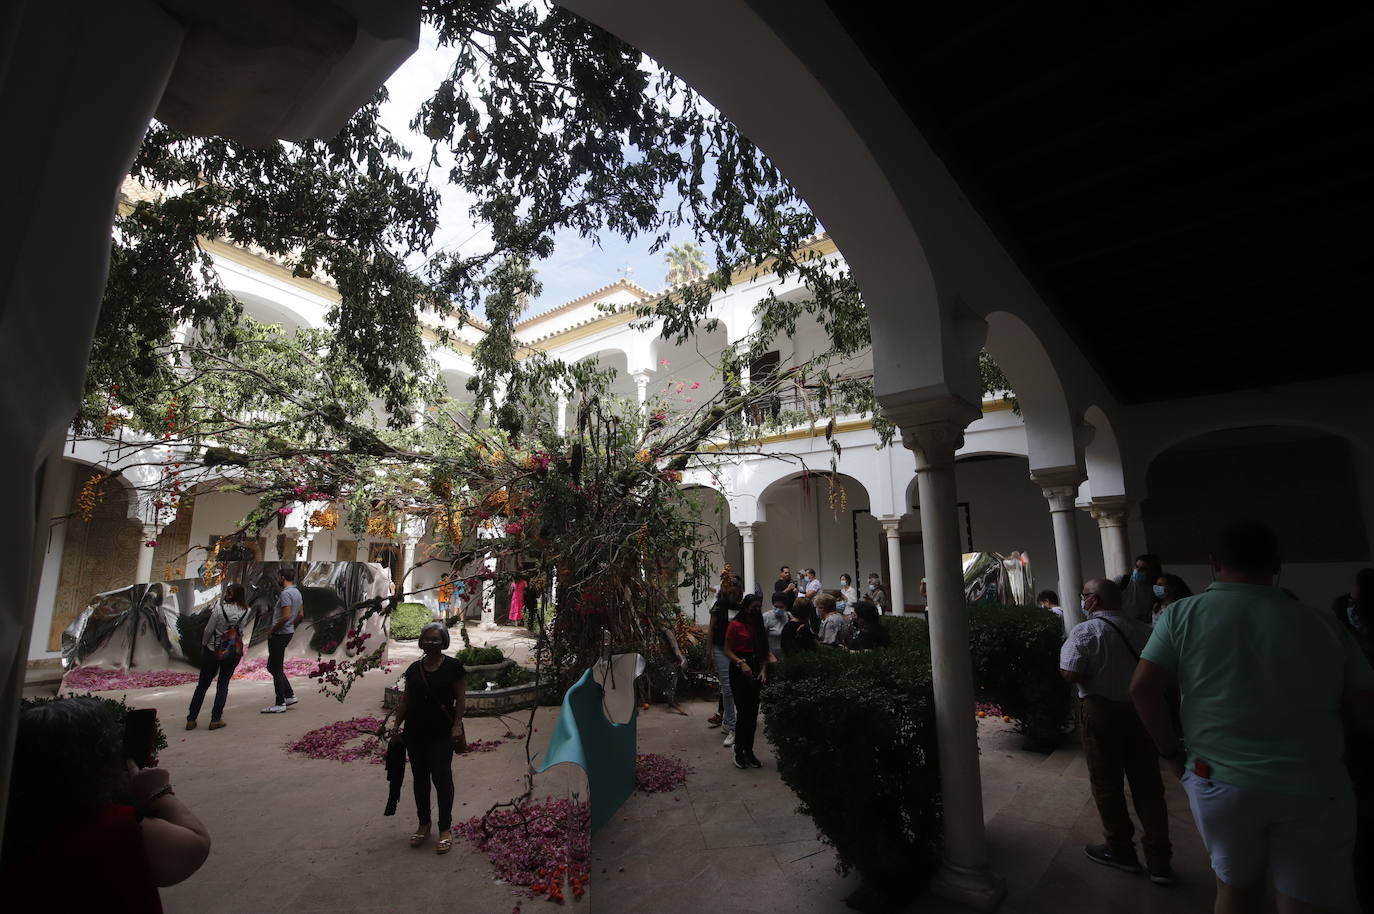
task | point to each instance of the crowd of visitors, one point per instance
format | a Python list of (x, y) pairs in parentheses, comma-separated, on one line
[(1272, 744)]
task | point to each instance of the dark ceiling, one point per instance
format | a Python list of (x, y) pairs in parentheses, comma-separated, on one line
[(1188, 189)]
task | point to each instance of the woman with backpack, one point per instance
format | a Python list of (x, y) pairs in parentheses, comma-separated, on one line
[(222, 649)]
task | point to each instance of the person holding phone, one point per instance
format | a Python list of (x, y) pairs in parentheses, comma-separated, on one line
[(76, 796), (221, 651), (288, 614), (429, 721)]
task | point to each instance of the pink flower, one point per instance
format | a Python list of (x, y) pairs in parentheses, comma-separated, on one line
[(695, 385), (660, 416), (150, 543), (514, 527), (681, 387), (331, 647), (283, 510), (663, 363)]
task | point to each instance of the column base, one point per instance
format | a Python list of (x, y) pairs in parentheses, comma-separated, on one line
[(980, 889)]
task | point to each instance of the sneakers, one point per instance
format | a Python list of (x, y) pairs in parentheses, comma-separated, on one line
[(753, 760), (217, 724), (729, 740), (1101, 853), (739, 761), (1161, 873), (291, 701), (274, 709), (713, 720), (190, 725)]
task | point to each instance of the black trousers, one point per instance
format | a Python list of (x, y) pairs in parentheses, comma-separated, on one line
[(210, 665), (276, 665), (432, 760), (746, 690)]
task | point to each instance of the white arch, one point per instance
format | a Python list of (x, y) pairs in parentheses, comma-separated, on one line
[(1106, 475), (1053, 439)]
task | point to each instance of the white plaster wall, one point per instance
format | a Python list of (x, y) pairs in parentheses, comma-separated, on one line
[(1008, 512), (65, 473), (218, 514), (538, 327), (807, 531)]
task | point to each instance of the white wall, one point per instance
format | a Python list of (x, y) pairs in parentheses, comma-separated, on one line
[(1008, 512), (64, 472), (217, 514)]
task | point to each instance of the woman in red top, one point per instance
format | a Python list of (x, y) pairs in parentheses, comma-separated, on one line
[(86, 829), (746, 647)]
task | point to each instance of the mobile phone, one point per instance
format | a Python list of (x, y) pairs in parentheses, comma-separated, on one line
[(140, 729)]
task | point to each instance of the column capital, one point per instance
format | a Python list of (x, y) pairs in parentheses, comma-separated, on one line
[(892, 523), (746, 528), (933, 429), (1110, 510), (1059, 485)]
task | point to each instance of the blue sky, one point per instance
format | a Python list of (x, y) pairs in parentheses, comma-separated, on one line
[(577, 266)]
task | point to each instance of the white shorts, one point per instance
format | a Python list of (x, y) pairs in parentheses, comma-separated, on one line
[(1306, 842)]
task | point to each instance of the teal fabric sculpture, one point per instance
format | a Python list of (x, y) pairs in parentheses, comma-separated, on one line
[(585, 735)]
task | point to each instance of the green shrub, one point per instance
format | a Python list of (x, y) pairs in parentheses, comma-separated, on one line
[(513, 676), (1015, 652), (1016, 666), (480, 656), (855, 740), (408, 619)]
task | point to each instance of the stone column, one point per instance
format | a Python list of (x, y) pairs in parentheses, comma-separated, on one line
[(746, 535), (1110, 512), (269, 548), (897, 595), (1060, 488), (934, 431), (641, 379), (407, 560), (562, 420), (143, 573)]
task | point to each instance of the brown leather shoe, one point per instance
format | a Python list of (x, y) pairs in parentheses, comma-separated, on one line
[(216, 724), (713, 720), (190, 725)]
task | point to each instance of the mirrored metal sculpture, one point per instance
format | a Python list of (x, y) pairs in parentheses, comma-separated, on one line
[(160, 625)]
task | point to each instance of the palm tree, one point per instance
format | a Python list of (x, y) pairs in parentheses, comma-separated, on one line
[(686, 263)]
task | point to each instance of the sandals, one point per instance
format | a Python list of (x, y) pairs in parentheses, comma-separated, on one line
[(418, 838), (444, 845)]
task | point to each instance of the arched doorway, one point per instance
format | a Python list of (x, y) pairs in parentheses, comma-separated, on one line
[(819, 520), (1310, 485), (720, 540)]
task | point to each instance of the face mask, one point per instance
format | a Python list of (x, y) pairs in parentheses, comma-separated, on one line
[(1159, 591), (1137, 575)]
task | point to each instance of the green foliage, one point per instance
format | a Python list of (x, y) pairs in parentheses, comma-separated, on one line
[(1015, 651), (1016, 666), (408, 619), (118, 709), (855, 740), (855, 733), (513, 676), (995, 381), (479, 656)]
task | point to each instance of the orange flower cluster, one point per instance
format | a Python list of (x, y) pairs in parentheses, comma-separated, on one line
[(325, 518), (92, 494), (553, 882), (381, 526)]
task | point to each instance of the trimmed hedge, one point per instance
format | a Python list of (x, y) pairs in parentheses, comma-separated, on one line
[(1015, 653), (479, 656), (1016, 666), (855, 736), (855, 740), (408, 619)]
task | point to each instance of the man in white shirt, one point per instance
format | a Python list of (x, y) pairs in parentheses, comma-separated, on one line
[(813, 584), (1100, 656)]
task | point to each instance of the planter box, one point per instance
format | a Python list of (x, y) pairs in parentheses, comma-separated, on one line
[(489, 702)]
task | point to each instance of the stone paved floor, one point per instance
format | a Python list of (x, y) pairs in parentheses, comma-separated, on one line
[(732, 841)]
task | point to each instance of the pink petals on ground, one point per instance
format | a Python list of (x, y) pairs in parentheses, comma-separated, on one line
[(656, 773), (343, 741), (96, 679), (538, 846)]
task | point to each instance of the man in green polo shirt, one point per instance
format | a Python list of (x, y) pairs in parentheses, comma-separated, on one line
[(1264, 682)]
